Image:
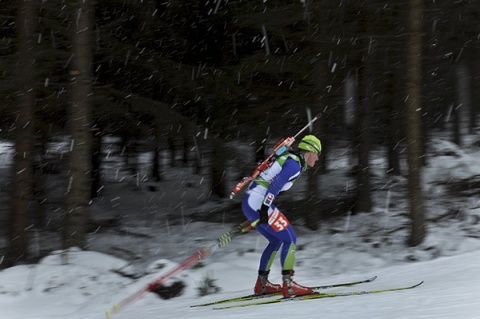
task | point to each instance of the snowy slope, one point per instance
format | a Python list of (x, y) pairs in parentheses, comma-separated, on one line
[(83, 284), (87, 288)]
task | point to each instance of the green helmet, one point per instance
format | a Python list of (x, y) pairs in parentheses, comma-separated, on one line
[(310, 143)]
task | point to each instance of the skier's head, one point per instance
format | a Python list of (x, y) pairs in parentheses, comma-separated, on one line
[(311, 147), (310, 143)]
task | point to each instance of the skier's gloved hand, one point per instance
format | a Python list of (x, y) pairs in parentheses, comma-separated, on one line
[(263, 214)]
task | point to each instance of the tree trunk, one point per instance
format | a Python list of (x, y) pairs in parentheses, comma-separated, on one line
[(414, 67), (393, 123), (186, 144), (157, 159), (40, 177), (363, 196), (23, 159), (79, 174), (463, 105), (365, 80), (96, 162), (172, 147), (218, 168), (350, 115), (474, 87)]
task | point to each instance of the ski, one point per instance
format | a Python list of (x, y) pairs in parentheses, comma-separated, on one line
[(254, 297), (317, 296)]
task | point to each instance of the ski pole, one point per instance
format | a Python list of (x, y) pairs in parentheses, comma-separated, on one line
[(278, 149), (199, 255)]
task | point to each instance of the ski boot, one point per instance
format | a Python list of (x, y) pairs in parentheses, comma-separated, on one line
[(263, 286), (291, 288)]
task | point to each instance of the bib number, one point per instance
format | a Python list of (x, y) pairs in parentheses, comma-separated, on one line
[(277, 220)]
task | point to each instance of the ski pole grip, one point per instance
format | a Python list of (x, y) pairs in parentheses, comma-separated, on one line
[(255, 223)]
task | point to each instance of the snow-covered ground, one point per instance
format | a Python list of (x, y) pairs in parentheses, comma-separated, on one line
[(83, 284)]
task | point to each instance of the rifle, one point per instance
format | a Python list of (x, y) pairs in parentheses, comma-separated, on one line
[(280, 148)]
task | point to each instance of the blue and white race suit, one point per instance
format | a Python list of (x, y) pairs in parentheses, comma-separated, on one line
[(277, 178)]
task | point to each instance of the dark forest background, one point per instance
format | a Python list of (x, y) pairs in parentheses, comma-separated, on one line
[(162, 73)]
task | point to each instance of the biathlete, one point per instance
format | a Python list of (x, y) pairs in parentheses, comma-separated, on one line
[(258, 203)]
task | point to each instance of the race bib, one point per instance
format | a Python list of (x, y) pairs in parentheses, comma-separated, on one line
[(277, 220)]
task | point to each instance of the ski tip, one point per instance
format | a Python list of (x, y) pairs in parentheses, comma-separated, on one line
[(371, 279), (421, 282)]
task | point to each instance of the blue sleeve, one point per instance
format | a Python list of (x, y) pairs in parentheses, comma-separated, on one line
[(290, 169)]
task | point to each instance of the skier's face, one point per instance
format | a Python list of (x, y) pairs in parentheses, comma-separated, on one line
[(311, 158)]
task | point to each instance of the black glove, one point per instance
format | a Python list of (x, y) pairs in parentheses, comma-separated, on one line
[(263, 214)]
